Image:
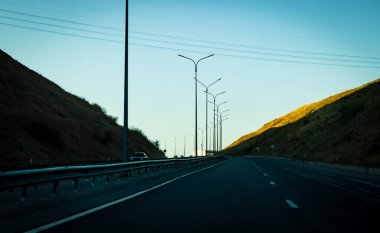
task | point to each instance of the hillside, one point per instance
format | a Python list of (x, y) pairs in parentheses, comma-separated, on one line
[(42, 124), (343, 128)]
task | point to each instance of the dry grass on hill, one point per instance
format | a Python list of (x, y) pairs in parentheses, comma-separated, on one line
[(343, 128)]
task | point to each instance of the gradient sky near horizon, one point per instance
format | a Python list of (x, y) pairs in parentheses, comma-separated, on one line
[(273, 56)]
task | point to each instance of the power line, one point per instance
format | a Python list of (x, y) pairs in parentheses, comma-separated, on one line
[(85, 7), (62, 33), (252, 47), (253, 58), (23, 5), (229, 35), (60, 20), (59, 26), (254, 52), (260, 32)]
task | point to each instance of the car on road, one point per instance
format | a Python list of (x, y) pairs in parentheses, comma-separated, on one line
[(138, 156)]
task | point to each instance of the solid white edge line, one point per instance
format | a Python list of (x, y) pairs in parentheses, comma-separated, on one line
[(291, 204), (75, 216), (364, 182), (272, 183)]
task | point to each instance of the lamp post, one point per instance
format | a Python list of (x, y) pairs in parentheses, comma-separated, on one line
[(184, 145), (188, 134), (220, 127), (214, 96), (207, 87), (217, 125), (202, 141), (175, 145), (196, 100), (209, 149), (125, 126), (221, 121)]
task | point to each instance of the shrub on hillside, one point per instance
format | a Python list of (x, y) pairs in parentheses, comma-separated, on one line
[(349, 112), (104, 136), (98, 108), (45, 134)]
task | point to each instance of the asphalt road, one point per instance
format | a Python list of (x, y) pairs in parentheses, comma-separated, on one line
[(246, 194)]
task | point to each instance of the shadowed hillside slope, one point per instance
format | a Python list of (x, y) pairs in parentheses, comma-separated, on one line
[(343, 128), (42, 124)]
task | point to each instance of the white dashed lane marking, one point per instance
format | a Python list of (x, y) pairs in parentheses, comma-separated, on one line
[(291, 204)]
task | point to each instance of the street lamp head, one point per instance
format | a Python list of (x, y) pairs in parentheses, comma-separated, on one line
[(209, 55), (219, 94), (224, 111)]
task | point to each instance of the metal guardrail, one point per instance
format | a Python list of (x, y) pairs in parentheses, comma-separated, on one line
[(79, 167), (33, 178)]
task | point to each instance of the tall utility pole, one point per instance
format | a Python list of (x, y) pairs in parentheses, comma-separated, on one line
[(207, 87), (125, 127), (196, 100)]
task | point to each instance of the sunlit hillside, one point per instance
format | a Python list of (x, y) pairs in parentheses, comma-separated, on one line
[(349, 117)]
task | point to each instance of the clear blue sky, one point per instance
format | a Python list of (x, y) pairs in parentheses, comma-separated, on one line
[(273, 56)]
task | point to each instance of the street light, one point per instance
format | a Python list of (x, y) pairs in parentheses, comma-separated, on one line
[(189, 134), (184, 144), (125, 126), (175, 145), (196, 101), (207, 87), (202, 141), (221, 120), (217, 124), (214, 96), (212, 128)]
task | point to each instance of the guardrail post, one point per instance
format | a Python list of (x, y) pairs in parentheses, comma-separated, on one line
[(75, 184), (93, 181), (55, 185), (24, 193), (108, 178), (35, 187)]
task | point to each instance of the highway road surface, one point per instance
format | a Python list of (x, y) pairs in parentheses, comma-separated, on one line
[(243, 194)]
